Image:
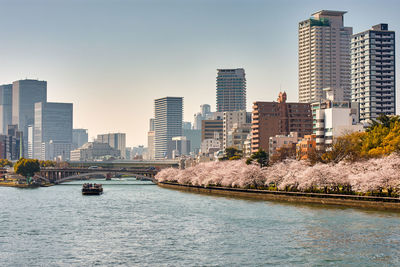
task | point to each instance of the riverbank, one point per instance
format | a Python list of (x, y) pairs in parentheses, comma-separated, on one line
[(380, 203), (14, 184)]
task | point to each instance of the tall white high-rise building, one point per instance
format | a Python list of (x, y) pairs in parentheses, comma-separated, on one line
[(324, 56), (30, 141), (231, 90), (150, 141), (168, 114), (373, 80)]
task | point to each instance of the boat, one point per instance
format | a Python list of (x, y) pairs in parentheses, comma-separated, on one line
[(92, 189)]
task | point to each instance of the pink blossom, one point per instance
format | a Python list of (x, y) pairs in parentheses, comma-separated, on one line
[(364, 176)]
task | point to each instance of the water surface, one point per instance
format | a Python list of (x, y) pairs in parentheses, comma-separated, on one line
[(139, 224)]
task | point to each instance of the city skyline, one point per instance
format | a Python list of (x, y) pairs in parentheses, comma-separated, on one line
[(112, 69)]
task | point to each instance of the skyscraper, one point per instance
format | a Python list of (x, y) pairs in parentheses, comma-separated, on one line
[(373, 80), (204, 114), (231, 90), (5, 107), (79, 137), (168, 113), (115, 140), (151, 124), (25, 94), (205, 110), (53, 122), (324, 56), (150, 145), (150, 141)]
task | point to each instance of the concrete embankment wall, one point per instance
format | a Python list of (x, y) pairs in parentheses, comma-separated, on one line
[(381, 203)]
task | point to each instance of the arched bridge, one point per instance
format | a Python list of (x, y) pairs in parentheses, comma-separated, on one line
[(57, 176)]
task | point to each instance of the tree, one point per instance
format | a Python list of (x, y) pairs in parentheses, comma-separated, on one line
[(315, 156), (47, 163), (261, 157), (232, 153), (5, 162), (383, 120), (62, 164), (283, 152), (348, 146), (378, 176), (27, 167)]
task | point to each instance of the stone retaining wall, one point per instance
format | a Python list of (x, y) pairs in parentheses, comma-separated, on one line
[(381, 203)]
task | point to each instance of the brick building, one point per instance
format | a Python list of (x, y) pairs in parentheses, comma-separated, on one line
[(279, 118)]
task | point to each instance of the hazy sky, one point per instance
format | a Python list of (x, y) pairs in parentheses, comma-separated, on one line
[(113, 58)]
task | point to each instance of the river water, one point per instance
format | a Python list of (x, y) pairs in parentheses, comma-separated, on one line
[(139, 224)]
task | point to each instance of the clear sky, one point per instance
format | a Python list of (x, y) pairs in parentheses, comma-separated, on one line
[(112, 58)]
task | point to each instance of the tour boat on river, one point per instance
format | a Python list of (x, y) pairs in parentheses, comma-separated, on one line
[(92, 189)]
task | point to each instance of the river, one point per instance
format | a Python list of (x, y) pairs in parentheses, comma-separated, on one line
[(137, 223)]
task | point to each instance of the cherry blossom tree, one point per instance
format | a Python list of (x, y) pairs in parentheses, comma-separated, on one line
[(377, 175)]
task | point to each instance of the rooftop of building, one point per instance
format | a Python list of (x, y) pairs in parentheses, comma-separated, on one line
[(381, 27), (29, 80), (329, 13), (230, 70), (169, 97)]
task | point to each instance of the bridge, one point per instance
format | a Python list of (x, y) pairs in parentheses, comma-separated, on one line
[(59, 175), (127, 164)]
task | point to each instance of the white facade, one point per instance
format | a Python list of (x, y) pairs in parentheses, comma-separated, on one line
[(279, 141), (210, 146), (230, 118), (30, 141), (373, 79), (150, 145), (333, 119), (324, 56), (237, 136)]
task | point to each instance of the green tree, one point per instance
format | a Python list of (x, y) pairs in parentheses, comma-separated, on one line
[(5, 162), (383, 120), (381, 138), (260, 156), (47, 163), (27, 167), (231, 153)]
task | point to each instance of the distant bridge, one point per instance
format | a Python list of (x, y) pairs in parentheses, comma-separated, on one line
[(56, 176), (127, 164)]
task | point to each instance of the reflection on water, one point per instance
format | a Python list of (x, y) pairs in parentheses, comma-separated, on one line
[(136, 224)]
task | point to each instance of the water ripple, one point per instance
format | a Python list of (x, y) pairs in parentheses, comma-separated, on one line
[(151, 226)]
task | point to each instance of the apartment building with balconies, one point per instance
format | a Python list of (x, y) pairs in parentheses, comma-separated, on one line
[(278, 118), (373, 72), (324, 56)]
